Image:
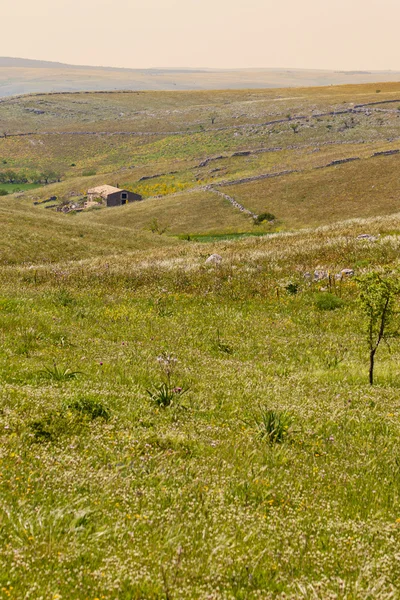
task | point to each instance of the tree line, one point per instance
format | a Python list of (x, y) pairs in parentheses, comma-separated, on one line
[(45, 177)]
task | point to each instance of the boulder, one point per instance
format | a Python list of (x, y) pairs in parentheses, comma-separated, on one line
[(214, 259), (347, 272), (320, 275)]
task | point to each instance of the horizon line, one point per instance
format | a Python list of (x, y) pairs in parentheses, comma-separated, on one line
[(193, 68)]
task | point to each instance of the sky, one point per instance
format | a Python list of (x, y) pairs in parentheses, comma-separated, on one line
[(312, 34)]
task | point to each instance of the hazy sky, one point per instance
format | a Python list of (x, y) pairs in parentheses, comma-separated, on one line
[(327, 34)]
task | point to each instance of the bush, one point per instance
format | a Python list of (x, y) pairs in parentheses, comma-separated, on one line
[(3, 192), (328, 301), (88, 173), (89, 407), (292, 288), (264, 217)]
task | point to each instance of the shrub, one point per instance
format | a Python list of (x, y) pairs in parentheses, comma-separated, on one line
[(328, 301), (3, 192), (40, 430), (292, 288), (89, 407), (89, 173), (266, 216), (49, 427)]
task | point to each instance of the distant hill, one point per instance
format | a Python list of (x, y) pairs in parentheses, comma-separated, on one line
[(23, 76), (28, 63)]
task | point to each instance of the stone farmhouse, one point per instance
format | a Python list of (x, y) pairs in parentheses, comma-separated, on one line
[(112, 196)]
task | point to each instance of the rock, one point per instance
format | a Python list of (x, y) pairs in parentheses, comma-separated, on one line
[(347, 272), (320, 275), (214, 259), (386, 153), (307, 275), (367, 236)]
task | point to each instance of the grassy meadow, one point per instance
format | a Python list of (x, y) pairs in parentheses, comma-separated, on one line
[(177, 429)]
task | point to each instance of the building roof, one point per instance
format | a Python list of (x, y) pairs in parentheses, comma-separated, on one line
[(104, 190)]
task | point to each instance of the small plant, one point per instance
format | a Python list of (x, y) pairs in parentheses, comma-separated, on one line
[(49, 427), (89, 407), (167, 363), (222, 346), (64, 298), (162, 308), (28, 341), (166, 393), (3, 192), (40, 430), (334, 356), (272, 425), (59, 374), (292, 288), (328, 301)]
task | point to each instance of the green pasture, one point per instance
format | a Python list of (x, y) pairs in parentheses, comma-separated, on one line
[(271, 472), (18, 187)]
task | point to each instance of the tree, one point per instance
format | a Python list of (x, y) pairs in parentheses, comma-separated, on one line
[(49, 177), (378, 295), (213, 117), (10, 176)]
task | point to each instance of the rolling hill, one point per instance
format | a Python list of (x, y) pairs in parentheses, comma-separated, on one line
[(206, 161), (180, 425), (22, 76)]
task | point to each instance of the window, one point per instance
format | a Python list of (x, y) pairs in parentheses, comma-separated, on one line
[(124, 196)]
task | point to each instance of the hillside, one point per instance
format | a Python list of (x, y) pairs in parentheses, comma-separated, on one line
[(271, 468), (180, 425), (309, 156), (22, 76)]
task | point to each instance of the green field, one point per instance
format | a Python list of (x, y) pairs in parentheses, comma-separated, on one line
[(18, 187), (175, 429)]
